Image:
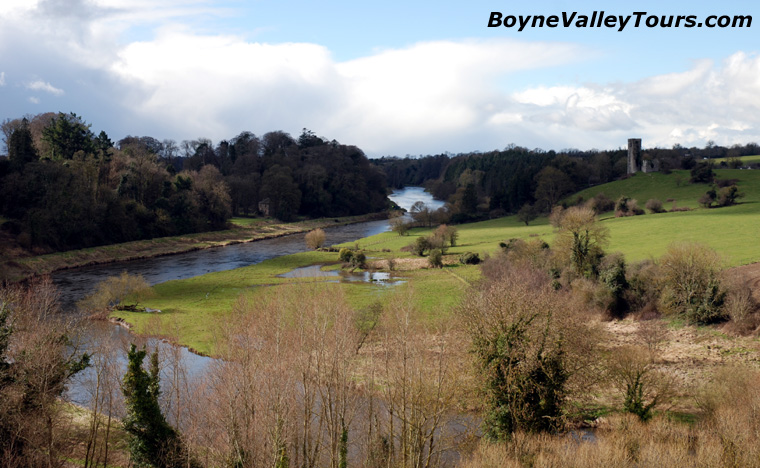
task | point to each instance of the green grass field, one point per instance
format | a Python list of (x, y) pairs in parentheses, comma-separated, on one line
[(194, 308), (745, 159)]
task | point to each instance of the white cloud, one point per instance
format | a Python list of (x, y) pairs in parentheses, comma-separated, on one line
[(39, 85), (381, 102), (709, 101), (424, 98)]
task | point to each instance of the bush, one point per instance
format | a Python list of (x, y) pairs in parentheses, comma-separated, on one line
[(627, 207), (691, 285), (436, 258), (420, 246), (644, 287), (702, 173), (601, 203), (315, 239), (725, 182), (345, 255), (612, 274), (469, 258), (581, 240), (727, 196), (526, 352), (633, 208), (708, 198), (555, 217), (633, 371), (621, 205), (654, 206), (399, 225), (358, 260), (741, 307), (121, 292)]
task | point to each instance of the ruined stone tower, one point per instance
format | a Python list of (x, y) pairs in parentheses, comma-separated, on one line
[(634, 155)]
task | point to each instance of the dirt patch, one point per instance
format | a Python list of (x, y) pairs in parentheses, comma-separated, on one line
[(690, 355)]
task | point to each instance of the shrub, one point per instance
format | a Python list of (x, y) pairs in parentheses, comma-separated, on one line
[(315, 239), (581, 240), (708, 198), (399, 225), (691, 285), (444, 236), (725, 182), (741, 306), (124, 291), (632, 371), (555, 218), (644, 287), (702, 173), (727, 196), (654, 206), (601, 203), (526, 351), (627, 207), (621, 205), (420, 246), (436, 258), (509, 244), (612, 274), (358, 260), (469, 258), (633, 208), (345, 255)]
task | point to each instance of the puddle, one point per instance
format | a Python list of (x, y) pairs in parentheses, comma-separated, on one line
[(382, 278), (309, 272)]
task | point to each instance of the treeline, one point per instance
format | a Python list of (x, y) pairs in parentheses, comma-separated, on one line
[(63, 187), (501, 182)]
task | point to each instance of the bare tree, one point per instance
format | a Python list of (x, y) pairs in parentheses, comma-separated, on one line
[(38, 356)]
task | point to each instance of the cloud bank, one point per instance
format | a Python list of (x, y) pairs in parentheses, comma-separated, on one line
[(428, 97)]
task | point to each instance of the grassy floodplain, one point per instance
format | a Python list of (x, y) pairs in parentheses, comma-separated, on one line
[(193, 309)]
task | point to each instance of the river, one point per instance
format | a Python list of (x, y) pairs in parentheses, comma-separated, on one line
[(74, 284)]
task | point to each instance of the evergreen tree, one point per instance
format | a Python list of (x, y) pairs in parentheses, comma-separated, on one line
[(68, 134), (21, 147), (153, 442)]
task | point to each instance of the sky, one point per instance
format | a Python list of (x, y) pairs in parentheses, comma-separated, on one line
[(391, 77)]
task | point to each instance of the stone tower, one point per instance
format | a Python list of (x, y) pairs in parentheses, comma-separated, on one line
[(634, 155)]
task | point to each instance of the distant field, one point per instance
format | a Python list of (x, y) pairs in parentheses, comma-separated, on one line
[(732, 231), (195, 307), (248, 222), (745, 159), (674, 186)]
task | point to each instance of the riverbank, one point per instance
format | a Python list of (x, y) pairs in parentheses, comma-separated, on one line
[(242, 230)]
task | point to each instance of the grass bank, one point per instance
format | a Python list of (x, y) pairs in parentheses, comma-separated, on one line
[(241, 230)]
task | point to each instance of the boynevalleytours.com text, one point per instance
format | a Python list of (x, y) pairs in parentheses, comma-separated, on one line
[(599, 19)]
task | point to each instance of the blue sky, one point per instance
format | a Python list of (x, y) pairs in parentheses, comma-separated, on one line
[(391, 77)]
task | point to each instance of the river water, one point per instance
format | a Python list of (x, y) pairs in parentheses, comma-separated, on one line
[(74, 284)]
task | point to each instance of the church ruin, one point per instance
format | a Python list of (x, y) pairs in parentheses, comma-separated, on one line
[(636, 162)]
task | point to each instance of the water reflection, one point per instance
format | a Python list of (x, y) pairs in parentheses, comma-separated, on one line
[(76, 283)]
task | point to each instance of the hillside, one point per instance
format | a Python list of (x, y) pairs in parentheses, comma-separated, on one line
[(732, 231)]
